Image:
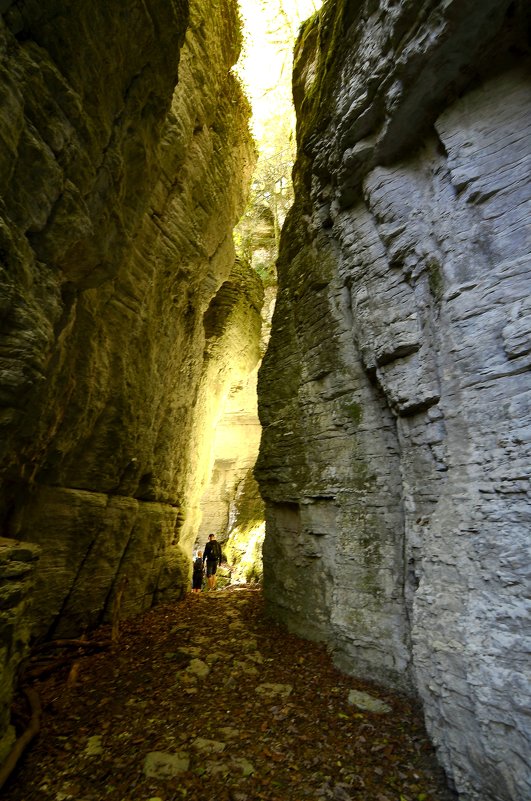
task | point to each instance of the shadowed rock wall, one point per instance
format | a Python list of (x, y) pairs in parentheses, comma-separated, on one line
[(124, 162), (395, 395), (17, 571)]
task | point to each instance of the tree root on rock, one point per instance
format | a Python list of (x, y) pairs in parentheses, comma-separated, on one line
[(39, 665), (95, 644), (31, 672), (24, 740)]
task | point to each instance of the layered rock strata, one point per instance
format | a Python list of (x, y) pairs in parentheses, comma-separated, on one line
[(17, 573), (395, 394), (227, 435), (231, 505), (123, 168)]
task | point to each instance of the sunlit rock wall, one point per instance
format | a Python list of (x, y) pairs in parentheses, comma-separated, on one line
[(231, 505), (226, 432), (395, 395), (125, 154), (235, 443)]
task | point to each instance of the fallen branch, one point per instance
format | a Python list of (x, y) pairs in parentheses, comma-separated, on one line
[(24, 740), (73, 675), (40, 671), (36, 666), (97, 644)]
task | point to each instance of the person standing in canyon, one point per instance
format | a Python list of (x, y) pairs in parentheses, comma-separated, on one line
[(198, 573), (212, 556)]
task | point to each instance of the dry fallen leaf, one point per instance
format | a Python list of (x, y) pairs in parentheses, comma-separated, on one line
[(310, 747)]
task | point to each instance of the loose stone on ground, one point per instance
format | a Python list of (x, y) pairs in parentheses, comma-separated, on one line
[(368, 702), (241, 719)]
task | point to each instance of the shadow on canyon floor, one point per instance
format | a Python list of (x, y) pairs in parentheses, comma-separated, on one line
[(209, 700)]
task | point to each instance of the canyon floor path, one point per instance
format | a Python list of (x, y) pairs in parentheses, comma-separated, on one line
[(210, 699)]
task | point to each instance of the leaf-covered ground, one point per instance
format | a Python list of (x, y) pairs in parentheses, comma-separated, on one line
[(211, 700)]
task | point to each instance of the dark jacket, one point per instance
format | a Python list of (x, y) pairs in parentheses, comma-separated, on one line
[(198, 566), (212, 552)]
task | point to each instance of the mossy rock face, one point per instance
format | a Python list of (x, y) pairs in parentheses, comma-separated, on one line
[(249, 506), (18, 562), (125, 167), (318, 57), (243, 552), (242, 549), (126, 160)]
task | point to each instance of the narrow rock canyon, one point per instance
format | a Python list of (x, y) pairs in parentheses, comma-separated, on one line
[(394, 395)]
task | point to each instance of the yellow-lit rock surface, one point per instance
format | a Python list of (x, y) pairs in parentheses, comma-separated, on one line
[(125, 160)]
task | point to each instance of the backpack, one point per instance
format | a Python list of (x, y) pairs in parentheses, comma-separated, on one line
[(198, 565), (214, 551)]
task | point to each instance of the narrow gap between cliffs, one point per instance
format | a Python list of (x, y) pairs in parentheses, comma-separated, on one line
[(231, 506)]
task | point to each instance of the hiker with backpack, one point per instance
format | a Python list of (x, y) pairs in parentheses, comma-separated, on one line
[(198, 573), (212, 556)]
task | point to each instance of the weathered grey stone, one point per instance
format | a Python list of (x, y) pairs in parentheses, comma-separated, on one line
[(209, 746), (214, 657), (239, 666), (94, 746), (269, 689), (395, 394), (242, 765), (368, 702), (230, 732), (191, 650), (198, 668), (162, 765)]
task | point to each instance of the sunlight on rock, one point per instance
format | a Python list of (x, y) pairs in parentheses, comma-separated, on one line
[(231, 504), (270, 30), (243, 551)]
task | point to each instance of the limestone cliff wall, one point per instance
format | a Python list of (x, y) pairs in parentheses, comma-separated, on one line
[(231, 504), (123, 167), (395, 394), (227, 432)]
